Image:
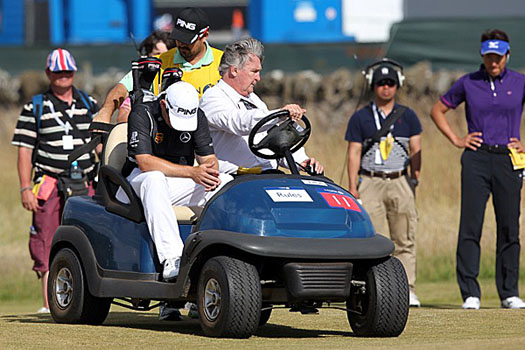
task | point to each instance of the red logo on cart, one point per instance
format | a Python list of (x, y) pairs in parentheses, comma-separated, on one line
[(340, 201)]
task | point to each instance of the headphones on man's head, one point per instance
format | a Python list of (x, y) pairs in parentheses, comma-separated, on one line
[(369, 70)]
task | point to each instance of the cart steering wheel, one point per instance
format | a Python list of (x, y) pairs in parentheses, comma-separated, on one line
[(280, 137)]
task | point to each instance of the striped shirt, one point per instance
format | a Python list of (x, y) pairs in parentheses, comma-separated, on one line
[(51, 157)]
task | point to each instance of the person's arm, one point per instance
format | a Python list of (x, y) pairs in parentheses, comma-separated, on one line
[(315, 165), (224, 116), (124, 110), (472, 140), (206, 174), (113, 100), (415, 156), (516, 144), (354, 163), (25, 168)]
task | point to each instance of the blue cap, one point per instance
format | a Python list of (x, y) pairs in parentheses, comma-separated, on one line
[(499, 47)]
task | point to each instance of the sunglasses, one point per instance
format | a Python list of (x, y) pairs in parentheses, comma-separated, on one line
[(63, 72), (388, 82)]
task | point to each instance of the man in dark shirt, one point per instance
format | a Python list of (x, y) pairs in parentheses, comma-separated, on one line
[(377, 169), (164, 138)]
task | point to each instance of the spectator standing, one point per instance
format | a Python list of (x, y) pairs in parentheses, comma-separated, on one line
[(156, 43), (493, 97), (384, 138), (45, 135)]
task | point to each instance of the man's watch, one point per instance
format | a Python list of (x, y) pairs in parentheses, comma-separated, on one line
[(23, 189), (414, 182)]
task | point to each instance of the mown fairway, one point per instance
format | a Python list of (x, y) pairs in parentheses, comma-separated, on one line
[(439, 326)]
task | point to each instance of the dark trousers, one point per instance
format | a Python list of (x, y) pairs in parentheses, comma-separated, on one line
[(483, 173)]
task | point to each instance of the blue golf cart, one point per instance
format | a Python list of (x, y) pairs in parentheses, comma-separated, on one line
[(263, 241)]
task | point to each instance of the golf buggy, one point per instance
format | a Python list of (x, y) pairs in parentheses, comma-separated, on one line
[(263, 241)]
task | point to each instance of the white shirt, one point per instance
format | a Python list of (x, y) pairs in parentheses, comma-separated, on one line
[(230, 124)]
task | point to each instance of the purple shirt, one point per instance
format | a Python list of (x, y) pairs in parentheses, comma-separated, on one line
[(495, 110)]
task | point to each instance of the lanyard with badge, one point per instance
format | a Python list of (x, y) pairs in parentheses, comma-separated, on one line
[(68, 125), (67, 139), (387, 142)]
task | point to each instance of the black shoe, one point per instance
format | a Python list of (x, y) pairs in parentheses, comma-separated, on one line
[(167, 313)]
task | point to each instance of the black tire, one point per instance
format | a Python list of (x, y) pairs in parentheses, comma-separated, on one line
[(265, 315), (68, 294), (384, 306), (229, 298)]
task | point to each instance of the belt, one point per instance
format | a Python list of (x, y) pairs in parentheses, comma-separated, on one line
[(494, 149), (384, 175)]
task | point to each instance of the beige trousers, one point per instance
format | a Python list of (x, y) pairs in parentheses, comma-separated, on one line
[(392, 209)]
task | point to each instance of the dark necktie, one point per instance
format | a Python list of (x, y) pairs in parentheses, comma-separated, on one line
[(248, 104)]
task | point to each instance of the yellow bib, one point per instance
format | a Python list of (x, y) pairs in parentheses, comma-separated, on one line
[(385, 146), (202, 78)]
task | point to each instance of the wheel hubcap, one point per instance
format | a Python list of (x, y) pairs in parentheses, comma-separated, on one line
[(212, 299), (64, 287)]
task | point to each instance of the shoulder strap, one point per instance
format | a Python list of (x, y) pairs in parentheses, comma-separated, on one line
[(398, 112), (368, 143), (85, 100), (38, 107)]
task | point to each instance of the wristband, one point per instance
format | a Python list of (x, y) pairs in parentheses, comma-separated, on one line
[(26, 188)]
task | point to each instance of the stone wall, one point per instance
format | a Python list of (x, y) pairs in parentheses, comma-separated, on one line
[(329, 93)]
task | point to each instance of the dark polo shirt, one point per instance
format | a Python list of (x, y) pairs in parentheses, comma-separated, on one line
[(492, 109), (148, 133)]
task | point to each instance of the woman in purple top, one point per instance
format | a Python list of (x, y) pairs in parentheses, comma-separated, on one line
[(494, 97)]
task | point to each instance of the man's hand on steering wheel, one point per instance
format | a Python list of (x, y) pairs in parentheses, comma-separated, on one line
[(296, 111), (312, 166)]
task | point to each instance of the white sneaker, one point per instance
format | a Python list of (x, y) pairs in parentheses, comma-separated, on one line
[(414, 300), (512, 303), (43, 310), (471, 303), (171, 268)]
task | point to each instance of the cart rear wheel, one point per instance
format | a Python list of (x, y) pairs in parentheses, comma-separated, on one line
[(69, 297)]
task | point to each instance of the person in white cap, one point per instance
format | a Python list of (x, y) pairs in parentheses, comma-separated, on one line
[(164, 138)]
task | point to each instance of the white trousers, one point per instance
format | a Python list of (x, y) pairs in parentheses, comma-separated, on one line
[(158, 193)]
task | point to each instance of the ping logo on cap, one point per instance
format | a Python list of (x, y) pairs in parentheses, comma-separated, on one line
[(384, 70), (186, 111), (182, 100), (188, 25)]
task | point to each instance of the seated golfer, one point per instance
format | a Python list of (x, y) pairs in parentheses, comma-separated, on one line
[(164, 137)]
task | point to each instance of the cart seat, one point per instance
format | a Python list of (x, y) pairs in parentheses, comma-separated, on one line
[(115, 154)]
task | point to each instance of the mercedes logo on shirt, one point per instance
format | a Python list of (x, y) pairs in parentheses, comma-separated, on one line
[(185, 137)]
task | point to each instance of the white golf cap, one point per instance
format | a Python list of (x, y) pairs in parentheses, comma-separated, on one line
[(182, 101)]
